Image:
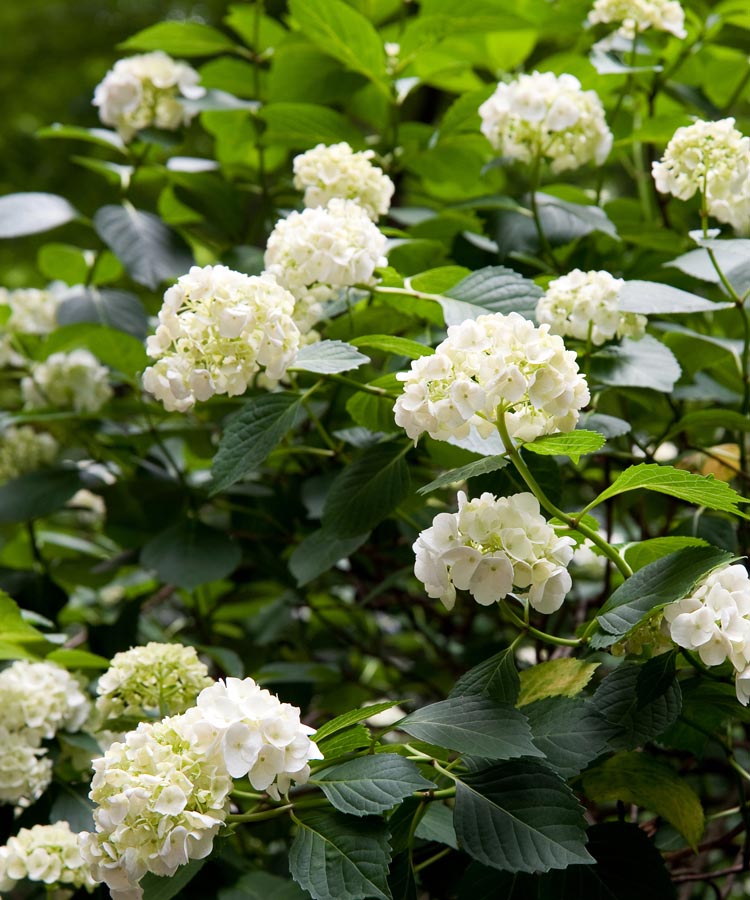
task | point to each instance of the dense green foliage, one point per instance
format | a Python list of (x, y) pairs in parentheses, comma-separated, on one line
[(577, 755)]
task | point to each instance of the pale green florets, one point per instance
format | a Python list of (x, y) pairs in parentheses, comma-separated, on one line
[(154, 680), (22, 450), (25, 769), (637, 16), (32, 311), (585, 305), (547, 117), (75, 380), (45, 853), (712, 159), (332, 171)]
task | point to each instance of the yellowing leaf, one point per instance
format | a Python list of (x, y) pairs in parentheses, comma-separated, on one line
[(556, 678)]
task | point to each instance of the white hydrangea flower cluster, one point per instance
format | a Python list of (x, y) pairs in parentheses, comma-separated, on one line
[(714, 620), (319, 250), (545, 116), (38, 700), (161, 797), (46, 853), (75, 380), (259, 736), (25, 769), (493, 546), (145, 90), (41, 697), (713, 159), (22, 449), (217, 327), (332, 171), (493, 365), (584, 305), (156, 679), (32, 311), (638, 16)]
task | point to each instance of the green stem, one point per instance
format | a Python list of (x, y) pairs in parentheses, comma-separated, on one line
[(359, 386), (239, 818), (432, 859), (406, 292), (541, 635), (571, 521), (544, 244)]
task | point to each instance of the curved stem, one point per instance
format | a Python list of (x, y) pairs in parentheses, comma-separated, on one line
[(259, 816), (542, 635), (571, 521)]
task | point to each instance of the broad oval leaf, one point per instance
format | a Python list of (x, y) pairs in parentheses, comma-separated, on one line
[(653, 298), (645, 363), (371, 784), (302, 125), (569, 732), (150, 252), (328, 357), (573, 444), (180, 39), (367, 491), (474, 724), (120, 351), (190, 554), (116, 309), (319, 552), (251, 435), (520, 816), (337, 857), (37, 494), (31, 213), (497, 677), (490, 290), (564, 677)]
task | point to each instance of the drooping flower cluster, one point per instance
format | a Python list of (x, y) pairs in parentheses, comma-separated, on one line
[(712, 159), (714, 620), (332, 171), (38, 700), (493, 546), (544, 116), (217, 328), (258, 735), (161, 796), (22, 449), (317, 251), (146, 90), (74, 380), (584, 305), (46, 853), (493, 365), (157, 679), (162, 793), (638, 16)]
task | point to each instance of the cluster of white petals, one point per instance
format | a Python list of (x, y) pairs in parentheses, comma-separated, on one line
[(161, 797), (714, 620), (217, 328), (585, 306), (322, 250), (25, 769), (46, 853), (332, 171), (493, 362), (156, 679), (713, 159), (637, 16), (41, 697), (32, 311), (258, 736), (22, 449), (75, 380), (545, 116), (493, 546), (146, 90)]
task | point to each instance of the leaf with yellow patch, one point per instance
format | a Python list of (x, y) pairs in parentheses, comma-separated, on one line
[(556, 678)]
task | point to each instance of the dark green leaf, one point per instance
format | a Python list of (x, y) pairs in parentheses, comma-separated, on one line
[(474, 724), (37, 494), (337, 857), (520, 816), (490, 290), (437, 825), (251, 435), (569, 732), (115, 309), (463, 473), (371, 784), (190, 554), (150, 252), (30, 213), (367, 491), (497, 677), (262, 886), (158, 888), (319, 552), (645, 363)]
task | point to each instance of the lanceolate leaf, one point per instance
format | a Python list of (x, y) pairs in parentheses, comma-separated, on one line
[(573, 444), (367, 491), (337, 857), (700, 490), (641, 779), (520, 817), (473, 724), (327, 357), (463, 473), (370, 784), (30, 213), (656, 584), (251, 435), (346, 720)]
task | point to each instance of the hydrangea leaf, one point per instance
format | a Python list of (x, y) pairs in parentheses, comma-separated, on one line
[(328, 357), (319, 552), (573, 444), (31, 213), (645, 363), (347, 719), (463, 473), (490, 290), (189, 554), (37, 494), (556, 678), (398, 346), (497, 677), (652, 298), (180, 39), (569, 732)]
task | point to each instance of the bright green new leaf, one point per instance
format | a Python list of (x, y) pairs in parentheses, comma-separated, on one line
[(573, 444), (398, 346), (645, 781), (302, 125), (180, 39), (556, 678)]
